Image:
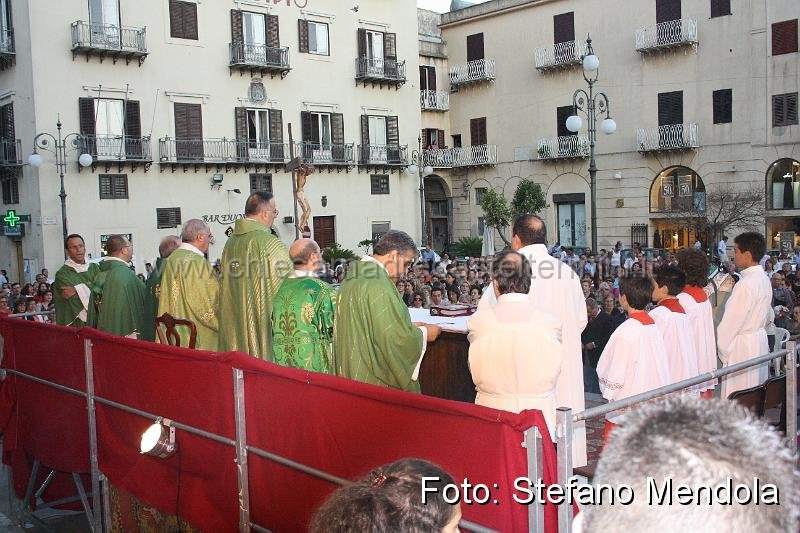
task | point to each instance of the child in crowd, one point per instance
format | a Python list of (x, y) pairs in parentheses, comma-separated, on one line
[(634, 359)]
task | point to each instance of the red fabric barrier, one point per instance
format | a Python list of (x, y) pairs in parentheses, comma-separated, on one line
[(340, 426)]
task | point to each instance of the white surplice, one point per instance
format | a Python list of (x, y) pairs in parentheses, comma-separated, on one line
[(634, 361), (556, 289), (741, 334), (673, 324), (515, 356), (701, 316)]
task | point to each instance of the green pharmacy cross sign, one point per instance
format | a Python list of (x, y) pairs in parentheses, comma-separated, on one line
[(11, 218)]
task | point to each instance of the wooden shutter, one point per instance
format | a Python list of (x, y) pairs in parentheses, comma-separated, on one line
[(667, 10), (477, 131), (784, 37), (120, 186), (189, 130), (722, 101), (365, 130), (784, 109), (106, 187), (240, 129), (720, 8), (190, 28), (183, 19), (361, 35), (337, 136), (423, 78), (7, 122), (392, 132), (237, 31), (390, 54), (562, 114), (670, 108), (474, 47), (276, 134), (175, 18), (440, 139), (168, 217), (564, 28), (432, 78), (306, 127), (133, 129), (86, 114), (273, 31), (302, 33)]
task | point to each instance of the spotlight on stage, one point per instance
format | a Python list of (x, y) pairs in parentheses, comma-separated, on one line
[(159, 439)]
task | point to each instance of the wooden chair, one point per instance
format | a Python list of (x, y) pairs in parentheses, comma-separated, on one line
[(775, 402), (172, 337), (752, 398)]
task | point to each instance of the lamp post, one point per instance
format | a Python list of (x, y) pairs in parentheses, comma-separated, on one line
[(420, 169), (590, 103), (59, 149)]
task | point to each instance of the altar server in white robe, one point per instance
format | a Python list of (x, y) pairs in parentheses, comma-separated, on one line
[(555, 289), (741, 334), (694, 300), (514, 348), (634, 359), (672, 322)]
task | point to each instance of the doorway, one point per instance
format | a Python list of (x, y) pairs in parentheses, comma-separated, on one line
[(325, 231)]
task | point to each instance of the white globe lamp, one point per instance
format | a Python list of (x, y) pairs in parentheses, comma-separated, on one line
[(574, 123), (608, 126), (591, 63), (85, 160), (35, 160)]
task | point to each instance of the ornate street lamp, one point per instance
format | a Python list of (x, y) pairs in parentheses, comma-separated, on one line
[(58, 145), (590, 104), (420, 169)]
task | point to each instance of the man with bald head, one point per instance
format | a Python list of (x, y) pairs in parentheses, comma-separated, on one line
[(302, 314), (119, 300), (152, 286), (189, 286), (555, 289), (254, 263)]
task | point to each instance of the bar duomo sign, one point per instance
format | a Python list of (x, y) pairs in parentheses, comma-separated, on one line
[(225, 219)]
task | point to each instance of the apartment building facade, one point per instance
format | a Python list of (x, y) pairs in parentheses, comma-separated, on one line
[(703, 92), (185, 107)]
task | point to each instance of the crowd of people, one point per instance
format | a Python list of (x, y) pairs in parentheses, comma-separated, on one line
[(29, 298)]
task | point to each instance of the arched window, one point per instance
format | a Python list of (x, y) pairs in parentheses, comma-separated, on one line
[(783, 184), (677, 190)]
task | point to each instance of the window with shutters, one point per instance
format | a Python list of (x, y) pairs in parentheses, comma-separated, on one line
[(433, 138), (668, 10), (379, 184), (183, 19), (564, 28), (784, 37), (784, 109), (168, 217), (456, 140), (477, 131), (260, 183), (112, 128), (10, 191), (318, 42), (479, 193), (258, 128), (670, 108), (188, 131), (379, 229), (113, 186), (720, 8), (723, 106), (475, 47), (427, 78)]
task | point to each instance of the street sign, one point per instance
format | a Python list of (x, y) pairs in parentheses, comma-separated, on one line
[(11, 218), (14, 231)]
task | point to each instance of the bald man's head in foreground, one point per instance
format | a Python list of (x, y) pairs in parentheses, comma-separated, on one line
[(306, 255), (528, 230)]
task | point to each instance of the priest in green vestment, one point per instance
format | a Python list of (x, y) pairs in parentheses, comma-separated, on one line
[(190, 288), (254, 263), (73, 284), (302, 314), (119, 299), (152, 287), (373, 338)]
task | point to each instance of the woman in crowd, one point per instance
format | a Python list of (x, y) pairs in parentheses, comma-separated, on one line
[(43, 287), (475, 295), (28, 290), (417, 300), (390, 499), (453, 295), (47, 304), (20, 306), (32, 306)]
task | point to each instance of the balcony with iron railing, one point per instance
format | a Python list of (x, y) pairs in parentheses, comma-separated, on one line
[(434, 100), (564, 147), (559, 55), (462, 157), (116, 148), (259, 58), (7, 50), (10, 153), (221, 151), (380, 71), (319, 154), (478, 71), (666, 35), (109, 40), (670, 137), (383, 155)]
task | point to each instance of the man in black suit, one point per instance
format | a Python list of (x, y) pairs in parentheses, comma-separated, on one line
[(594, 339)]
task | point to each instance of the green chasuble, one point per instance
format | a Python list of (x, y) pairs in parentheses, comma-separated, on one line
[(151, 302), (190, 290), (68, 310), (254, 263), (373, 337), (302, 324), (119, 302)]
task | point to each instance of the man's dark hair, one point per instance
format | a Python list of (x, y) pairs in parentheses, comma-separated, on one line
[(671, 277), (395, 240), (637, 290), (530, 229), (388, 499), (752, 242), (72, 236), (256, 201), (694, 264), (114, 244), (512, 272)]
